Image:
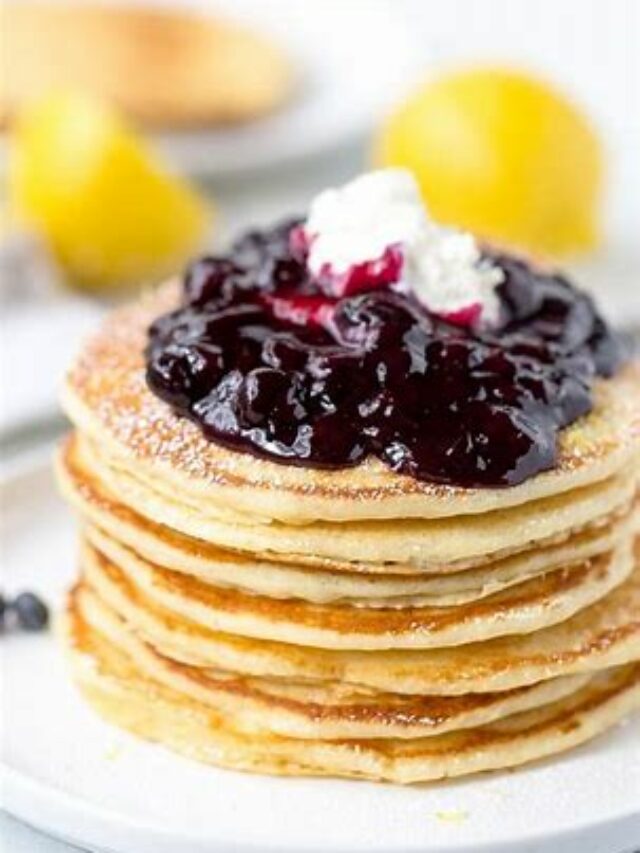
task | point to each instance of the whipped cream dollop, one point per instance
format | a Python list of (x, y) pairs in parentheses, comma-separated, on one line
[(376, 229)]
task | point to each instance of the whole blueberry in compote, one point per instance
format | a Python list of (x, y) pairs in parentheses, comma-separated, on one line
[(266, 360)]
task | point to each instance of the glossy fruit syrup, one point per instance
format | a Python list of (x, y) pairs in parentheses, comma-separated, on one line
[(264, 361)]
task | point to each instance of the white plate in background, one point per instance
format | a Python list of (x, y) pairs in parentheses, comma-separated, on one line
[(352, 61), (70, 774)]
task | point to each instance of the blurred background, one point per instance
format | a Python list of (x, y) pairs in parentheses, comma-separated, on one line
[(134, 135)]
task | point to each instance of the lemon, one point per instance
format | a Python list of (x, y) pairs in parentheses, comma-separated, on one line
[(501, 154), (108, 208)]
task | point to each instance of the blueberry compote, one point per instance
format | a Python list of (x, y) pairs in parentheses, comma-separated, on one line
[(264, 361)]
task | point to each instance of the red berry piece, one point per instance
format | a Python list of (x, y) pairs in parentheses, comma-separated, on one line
[(299, 242), (301, 310), (467, 317), (368, 275)]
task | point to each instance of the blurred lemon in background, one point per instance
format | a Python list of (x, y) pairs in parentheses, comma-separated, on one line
[(502, 154), (109, 210)]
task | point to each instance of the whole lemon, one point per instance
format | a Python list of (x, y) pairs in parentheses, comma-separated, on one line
[(501, 154), (110, 211)]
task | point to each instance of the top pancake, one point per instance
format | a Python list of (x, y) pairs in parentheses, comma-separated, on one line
[(429, 544), (106, 396)]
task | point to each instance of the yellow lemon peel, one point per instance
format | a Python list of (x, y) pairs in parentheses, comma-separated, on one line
[(110, 211), (502, 154)]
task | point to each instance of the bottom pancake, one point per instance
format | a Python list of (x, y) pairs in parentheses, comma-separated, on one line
[(114, 684)]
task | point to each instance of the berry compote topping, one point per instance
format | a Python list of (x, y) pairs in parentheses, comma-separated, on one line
[(265, 360)]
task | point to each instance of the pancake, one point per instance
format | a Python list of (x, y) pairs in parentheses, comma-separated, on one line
[(106, 396), (417, 542), (604, 635), (121, 693), (524, 608), (89, 494), (325, 711), (179, 553), (212, 71)]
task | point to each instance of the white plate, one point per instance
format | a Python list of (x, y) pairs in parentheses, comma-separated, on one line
[(352, 61), (72, 775)]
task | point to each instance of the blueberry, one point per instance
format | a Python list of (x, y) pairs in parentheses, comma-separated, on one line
[(31, 612), (205, 278)]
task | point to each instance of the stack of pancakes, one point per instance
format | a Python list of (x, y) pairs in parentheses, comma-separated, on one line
[(356, 622)]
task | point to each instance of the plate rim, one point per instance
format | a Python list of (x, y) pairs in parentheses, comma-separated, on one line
[(103, 821)]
